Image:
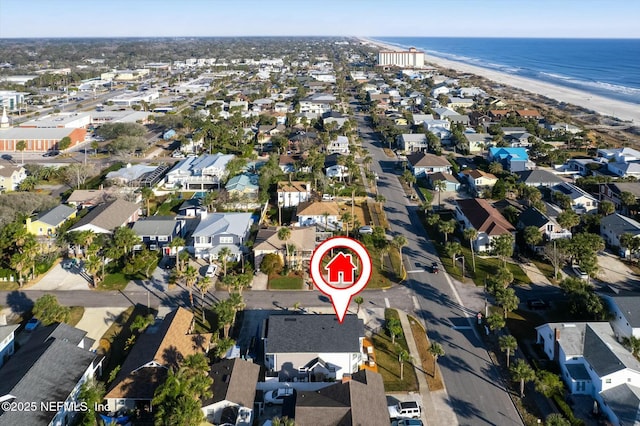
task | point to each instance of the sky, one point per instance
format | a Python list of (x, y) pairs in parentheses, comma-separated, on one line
[(410, 18)]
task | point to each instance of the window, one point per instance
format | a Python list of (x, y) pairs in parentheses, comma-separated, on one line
[(226, 240), (607, 381), (163, 238)]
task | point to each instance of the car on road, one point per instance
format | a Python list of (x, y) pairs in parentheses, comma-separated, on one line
[(407, 422), (405, 410), (537, 304), (51, 153), (69, 263), (7, 157), (365, 230), (32, 324), (277, 396), (434, 268), (580, 273), (211, 271)]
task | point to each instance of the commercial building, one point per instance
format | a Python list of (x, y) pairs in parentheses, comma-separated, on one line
[(401, 58)]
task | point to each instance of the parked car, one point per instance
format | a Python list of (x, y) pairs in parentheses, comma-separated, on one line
[(407, 422), (537, 304), (32, 324), (580, 273), (69, 263), (51, 153), (7, 157), (366, 230), (277, 396), (405, 410), (327, 197), (211, 271)]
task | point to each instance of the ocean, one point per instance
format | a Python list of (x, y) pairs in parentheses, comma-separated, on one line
[(605, 67)]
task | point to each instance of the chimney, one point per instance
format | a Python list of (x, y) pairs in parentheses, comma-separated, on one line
[(557, 334)]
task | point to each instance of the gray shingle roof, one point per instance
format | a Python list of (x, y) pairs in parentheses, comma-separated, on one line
[(620, 224), (224, 223), (46, 368), (630, 308), (56, 215), (234, 380), (539, 177), (624, 401), (313, 334), (109, 215), (603, 351), (533, 217), (156, 225)]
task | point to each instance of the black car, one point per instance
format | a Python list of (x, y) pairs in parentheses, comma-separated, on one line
[(537, 304), (7, 157), (50, 154), (434, 268)]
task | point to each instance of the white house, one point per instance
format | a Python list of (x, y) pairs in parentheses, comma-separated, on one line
[(219, 230), (313, 347), (333, 169), (7, 336), (478, 142), (581, 201), (487, 220), (340, 145), (319, 213), (413, 142), (291, 194), (625, 314), (478, 180), (613, 226), (593, 362), (199, 173)]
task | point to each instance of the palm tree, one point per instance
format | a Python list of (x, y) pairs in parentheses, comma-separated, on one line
[(93, 264), (203, 285), (359, 301), (147, 194), (436, 350), (508, 344), (403, 356), (395, 329), (291, 250), (453, 249), (447, 227), (177, 243), (124, 239), (190, 276), (21, 146), (634, 344), (495, 322), (471, 234), (226, 315), (284, 234), (346, 218), (400, 241), (440, 186), (522, 372), (508, 300), (223, 257)]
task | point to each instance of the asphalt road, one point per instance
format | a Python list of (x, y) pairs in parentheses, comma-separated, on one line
[(473, 383)]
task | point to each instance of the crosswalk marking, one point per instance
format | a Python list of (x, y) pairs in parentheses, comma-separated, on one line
[(386, 302)]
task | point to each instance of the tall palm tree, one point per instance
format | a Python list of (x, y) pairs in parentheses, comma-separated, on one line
[(21, 146), (359, 301), (400, 241), (403, 356), (93, 264), (124, 239), (203, 285), (177, 243), (471, 234), (440, 186), (522, 372), (147, 194), (508, 344), (190, 276), (223, 257), (447, 227), (436, 350)]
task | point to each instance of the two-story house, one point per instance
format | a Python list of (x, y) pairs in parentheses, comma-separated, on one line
[(412, 142), (423, 164), (478, 142), (312, 347), (333, 168), (49, 221), (290, 194), (199, 173), (11, 177), (581, 201), (614, 226), (625, 315), (615, 192), (218, 230), (547, 226), (512, 159), (7, 341), (339, 145), (487, 220), (323, 214), (622, 162), (478, 180), (302, 240), (157, 232)]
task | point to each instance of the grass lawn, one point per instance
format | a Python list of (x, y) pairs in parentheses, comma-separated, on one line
[(114, 281), (546, 269), (76, 315), (427, 362), (291, 282), (8, 285), (169, 208)]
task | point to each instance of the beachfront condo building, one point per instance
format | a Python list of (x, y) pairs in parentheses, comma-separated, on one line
[(401, 58)]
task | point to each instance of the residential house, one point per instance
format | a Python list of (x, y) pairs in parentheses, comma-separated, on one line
[(613, 191), (539, 178), (622, 162), (317, 104), (192, 208), (233, 389), (243, 186), (455, 102), (48, 222), (498, 114), (450, 182), (267, 241), (51, 366), (583, 166), (287, 163), (529, 113), (333, 117), (199, 173), (323, 214), (88, 198), (548, 227), (478, 142), (157, 232), (512, 159), (487, 220), (613, 226), (7, 340), (106, 217), (358, 400), (423, 164), (290, 194), (440, 89), (333, 168), (518, 140), (267, 131), (413, 142), (625, 315), (218, 230), (11, 177), (478, 180), (419, 119), (593, 362), (340, 145), (581, 201), (310, 348), (139, 175), (562, 128), (162, 346)]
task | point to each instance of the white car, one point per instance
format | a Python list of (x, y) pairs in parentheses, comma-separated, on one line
[(211, 271), (580, 273), (327, 197), (366, 230), (277, 396), (405, 410)]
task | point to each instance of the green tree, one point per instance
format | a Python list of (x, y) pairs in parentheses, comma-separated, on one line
[(225, 314), (453, 249), (634, 345), (532, 236), (522, 372), (92, 394), (630, 242), (49, 311), (124, 239), (64, 143), (447, 227), (271, 264), (223, 256), (440, 186), (568, 219), (495, 322), (141, 322), (503, 247), (203, 285), (508, 344), (556, 419), (395, 329), (436, 350), (548, 383), (403, 356), (400, 241), (606, 207), (471, 234), (508, 300), (359, 301), (629, 201), (21, 146), (147, 195), (190, 277)]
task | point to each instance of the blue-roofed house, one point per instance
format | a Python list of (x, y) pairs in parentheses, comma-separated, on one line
[(512, 159), (199, 173), (244, 185), (219, 230)]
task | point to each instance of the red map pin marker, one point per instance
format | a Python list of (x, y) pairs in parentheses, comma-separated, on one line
[(341, 269)]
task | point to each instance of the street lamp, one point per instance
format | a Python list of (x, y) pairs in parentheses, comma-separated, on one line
[(459, 258)]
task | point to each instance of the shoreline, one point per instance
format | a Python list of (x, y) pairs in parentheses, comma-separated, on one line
[(606, 107)]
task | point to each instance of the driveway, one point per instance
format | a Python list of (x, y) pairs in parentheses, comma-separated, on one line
[(60, 279), (96, 322), (616, 272)]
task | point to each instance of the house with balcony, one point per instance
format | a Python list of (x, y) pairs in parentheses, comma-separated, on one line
[(478, 142), (412, 142), (51, 366), (487, 220), (512, 159), (302, 242), (333, 168), (548, 227), (218, 230), (199, 173), (157, 232), (323, 214), (613, 226), (423, 164), (290, 194), (339, 145), (581, 201), (593, 362), (312, 348)]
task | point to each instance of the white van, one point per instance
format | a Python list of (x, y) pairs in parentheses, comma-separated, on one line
[(211, 270)]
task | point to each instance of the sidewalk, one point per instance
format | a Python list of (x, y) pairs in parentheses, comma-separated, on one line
[(435, 404)]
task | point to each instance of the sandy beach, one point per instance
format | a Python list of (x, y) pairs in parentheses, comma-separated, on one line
[(609, 107)]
